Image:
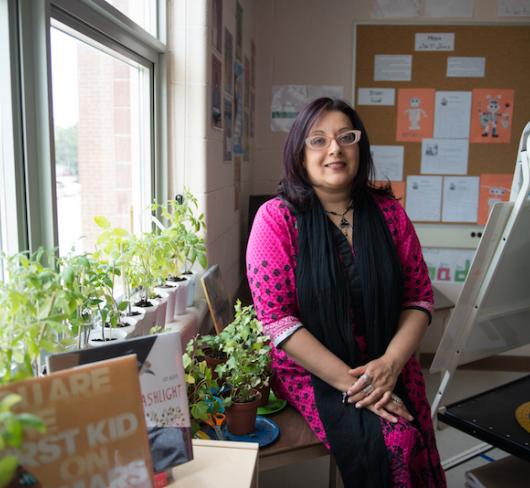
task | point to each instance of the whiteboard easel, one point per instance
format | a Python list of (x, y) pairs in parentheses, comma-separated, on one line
[(492, 314)]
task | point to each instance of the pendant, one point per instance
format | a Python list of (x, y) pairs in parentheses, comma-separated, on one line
[(344, 222)]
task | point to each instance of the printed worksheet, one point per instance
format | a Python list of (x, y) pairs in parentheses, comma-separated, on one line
[(466, 67), (424, 198), (460, 199), (388, 162), (389, 67), (415, 114), (452, 114), (448, 8), (444, 156)]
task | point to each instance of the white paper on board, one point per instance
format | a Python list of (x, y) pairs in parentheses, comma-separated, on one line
[(452, 114), (466, 67), (390, 67), (434, 41), (460, 198), (288, 100), (513, 8), (376, 96), (390, 9), (388, 162), (448, 265), (444, 156), (424, 198), (448, 8)]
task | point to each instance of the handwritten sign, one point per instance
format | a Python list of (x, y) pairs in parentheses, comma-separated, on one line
[(434, 41)]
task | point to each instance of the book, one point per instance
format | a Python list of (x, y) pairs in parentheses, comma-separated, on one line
[(164, 397), (95, 428), (508, 471)]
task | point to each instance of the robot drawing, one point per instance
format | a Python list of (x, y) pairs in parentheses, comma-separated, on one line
[(489, 117), (415, 113)]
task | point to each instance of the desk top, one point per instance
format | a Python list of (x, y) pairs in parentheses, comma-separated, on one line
[(490, 417), (221, 464)]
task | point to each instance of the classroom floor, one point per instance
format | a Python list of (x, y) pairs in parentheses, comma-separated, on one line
[(451, 442)]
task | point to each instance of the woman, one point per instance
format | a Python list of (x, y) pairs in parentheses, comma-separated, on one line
[(340, 285)]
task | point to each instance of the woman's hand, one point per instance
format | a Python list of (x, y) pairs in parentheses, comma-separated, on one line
[(391, 409), (375, 382)]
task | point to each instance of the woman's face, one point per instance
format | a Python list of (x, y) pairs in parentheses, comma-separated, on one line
[(331, 169)]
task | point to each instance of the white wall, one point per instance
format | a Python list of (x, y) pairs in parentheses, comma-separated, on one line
[(196, 149)]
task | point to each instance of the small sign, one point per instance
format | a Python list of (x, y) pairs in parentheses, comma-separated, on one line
[(435, 41), (376, 96)]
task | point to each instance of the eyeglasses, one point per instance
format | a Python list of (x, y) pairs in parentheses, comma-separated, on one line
[(321, 141)]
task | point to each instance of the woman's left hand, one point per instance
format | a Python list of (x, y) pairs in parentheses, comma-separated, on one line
[(373, 380)]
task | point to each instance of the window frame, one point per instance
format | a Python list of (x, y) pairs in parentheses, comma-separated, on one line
[(30, 24)]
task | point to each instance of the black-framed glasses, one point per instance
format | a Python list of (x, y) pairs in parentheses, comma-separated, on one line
[(322, 141)]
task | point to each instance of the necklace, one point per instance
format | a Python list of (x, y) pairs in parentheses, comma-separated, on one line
[(344, 223)]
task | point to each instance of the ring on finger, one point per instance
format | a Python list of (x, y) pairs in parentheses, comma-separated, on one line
[(396, 400), (366, 378), (367, 390)]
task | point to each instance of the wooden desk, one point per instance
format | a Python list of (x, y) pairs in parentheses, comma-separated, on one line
[(296, 443), (221, 464)]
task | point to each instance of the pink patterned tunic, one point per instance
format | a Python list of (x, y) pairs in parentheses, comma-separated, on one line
[(271, 253)]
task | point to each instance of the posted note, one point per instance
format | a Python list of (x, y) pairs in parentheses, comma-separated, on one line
[(388, 162), (424, 197), (460, 199), (452, 113), (392, 67), (444, 156)]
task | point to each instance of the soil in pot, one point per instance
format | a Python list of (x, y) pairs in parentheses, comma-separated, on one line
[(213, 358), (241, 417), (176, 279), (107, 339), (133, 313), (119, 325), (143, 304)]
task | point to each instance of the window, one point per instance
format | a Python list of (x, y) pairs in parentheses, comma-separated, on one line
[(142, 12), (102, 133), (89, 84)]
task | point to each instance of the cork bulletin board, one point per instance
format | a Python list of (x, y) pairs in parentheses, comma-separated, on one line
[(506, 49)]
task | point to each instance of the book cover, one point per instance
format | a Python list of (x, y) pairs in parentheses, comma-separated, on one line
[(161, 374), (95, 428)]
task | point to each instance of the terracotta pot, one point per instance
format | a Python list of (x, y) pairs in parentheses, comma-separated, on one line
[(265, 392), (212, 363), (241, 417)]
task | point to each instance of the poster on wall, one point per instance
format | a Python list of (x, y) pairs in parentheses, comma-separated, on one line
[(252, 112), (448, 265), (247, 83), (448, 8), (216, 115), (493, 188), (392, 9), (513, 8), (288, 100), (252, 65), (227, 135), (388, 162), (491, 115), (229, 62), (444, 156), (237, 135), (237, 181), (239, 32), (415, 114), (217, 25), (95, 427)]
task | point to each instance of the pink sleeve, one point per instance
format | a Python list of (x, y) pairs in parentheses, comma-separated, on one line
[(270, 270), (418, 289)]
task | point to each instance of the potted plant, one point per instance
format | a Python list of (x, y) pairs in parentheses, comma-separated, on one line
[(33, 314), (211, 348), (202, 386), (246, 369), (12, 429)]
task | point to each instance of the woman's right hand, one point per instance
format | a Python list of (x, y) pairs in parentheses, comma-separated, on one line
[(391, 409)]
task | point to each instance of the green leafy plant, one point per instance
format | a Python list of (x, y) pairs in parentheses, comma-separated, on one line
[(33, 314), (247, 348), (12, 429), (202, 386)]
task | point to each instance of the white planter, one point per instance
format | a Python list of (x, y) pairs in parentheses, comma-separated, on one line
[(147, 320), (181, 296), (192, 286), (114, 333), (161, 309), (171, 297)]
